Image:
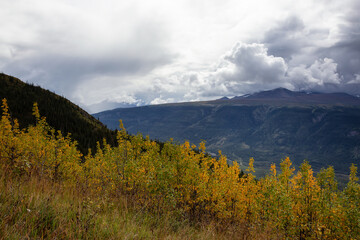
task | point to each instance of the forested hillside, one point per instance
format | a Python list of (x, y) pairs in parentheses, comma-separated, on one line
[(60, 113)]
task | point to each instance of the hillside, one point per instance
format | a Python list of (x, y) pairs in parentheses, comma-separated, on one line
[(141, 190), (60, 113), (322, 128)]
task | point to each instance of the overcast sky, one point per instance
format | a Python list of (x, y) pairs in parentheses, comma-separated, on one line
[(98, 53)]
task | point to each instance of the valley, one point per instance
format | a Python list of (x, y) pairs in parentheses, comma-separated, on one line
[(323, 129)]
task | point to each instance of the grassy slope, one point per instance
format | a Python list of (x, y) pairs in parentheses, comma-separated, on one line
[(40, 209)]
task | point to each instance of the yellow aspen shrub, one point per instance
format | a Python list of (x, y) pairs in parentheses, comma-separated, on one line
[(190, 169), (273, 169), (38, 145), (122, 132), (351, 204), (11, 151), (285, 201), (268, 202), (248, 188), (219, 188), (306, 197), (251, 166), (331, 212), (38, 150), (66, 160), (95, 171), (202, 146)]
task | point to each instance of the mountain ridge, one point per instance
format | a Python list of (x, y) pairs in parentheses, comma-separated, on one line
[(324, 129), (278, 95)]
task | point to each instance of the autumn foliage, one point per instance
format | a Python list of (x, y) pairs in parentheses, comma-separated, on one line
[(185, 180)]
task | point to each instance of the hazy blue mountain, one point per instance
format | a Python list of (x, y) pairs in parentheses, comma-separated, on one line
[(97, 107), (323, 128)]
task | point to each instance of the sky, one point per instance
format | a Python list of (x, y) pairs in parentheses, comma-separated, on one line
[(110, 53)]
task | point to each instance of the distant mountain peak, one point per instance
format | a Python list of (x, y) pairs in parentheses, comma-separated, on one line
[(275, 93), (285, 96), (279, 89), (223, 98)]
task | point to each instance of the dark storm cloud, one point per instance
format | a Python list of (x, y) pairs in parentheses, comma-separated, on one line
[(291, 36), (77, 66), (315, 62), (346, 52), (63, 63), (66, 72), (64, 47), (285, 39)]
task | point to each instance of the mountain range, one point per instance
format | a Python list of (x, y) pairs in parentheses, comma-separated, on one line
[(322, 128)]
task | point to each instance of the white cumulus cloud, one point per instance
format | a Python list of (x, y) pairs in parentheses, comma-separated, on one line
[(319, 75)]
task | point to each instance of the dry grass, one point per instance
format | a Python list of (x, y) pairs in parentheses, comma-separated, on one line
[(40, 209)]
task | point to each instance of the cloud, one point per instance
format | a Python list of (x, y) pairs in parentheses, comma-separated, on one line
[(249, 68), (287, 38), (346, 51), (323, 56), (321, 75), (63, 46), (245, 68), (67, 72), (356, 80), (168, 51), (253, 64)]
